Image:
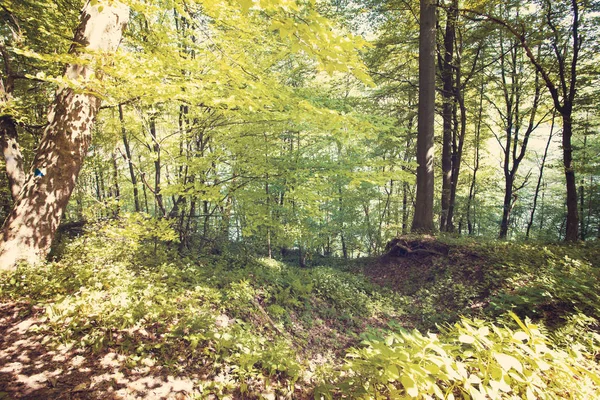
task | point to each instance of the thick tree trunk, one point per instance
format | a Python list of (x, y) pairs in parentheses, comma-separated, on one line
[(29, 230), (423, 218)]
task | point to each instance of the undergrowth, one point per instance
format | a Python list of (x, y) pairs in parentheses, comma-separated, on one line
[(253, 326)]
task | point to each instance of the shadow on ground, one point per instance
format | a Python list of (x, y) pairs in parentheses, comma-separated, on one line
[(31, 369)]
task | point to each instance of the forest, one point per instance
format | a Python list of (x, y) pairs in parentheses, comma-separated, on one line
[(300, 199)]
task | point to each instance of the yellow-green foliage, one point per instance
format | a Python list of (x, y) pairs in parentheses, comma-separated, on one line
[(259, 322), (471, 359)]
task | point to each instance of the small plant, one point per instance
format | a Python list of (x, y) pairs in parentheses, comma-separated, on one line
[(471, 359)]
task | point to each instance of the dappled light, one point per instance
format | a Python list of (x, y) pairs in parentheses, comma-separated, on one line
[(299, 199), (31, 367)]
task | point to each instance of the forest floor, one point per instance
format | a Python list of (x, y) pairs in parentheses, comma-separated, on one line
[(257, 328), (30, 368)]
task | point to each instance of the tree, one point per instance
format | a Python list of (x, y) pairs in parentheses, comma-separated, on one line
[(423, 218), (447, 67), (29, 230), (562, 23), (518, 120)]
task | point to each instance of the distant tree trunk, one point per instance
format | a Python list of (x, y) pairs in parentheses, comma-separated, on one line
[(116, 189), (423, 218), (472, 187), (157, 169), (542, 207), (571, 234), (563, 89), (136, 200), (29, 230), (590, 203), (344, 247), (513, 120), (267, 194), (460, 130), (506, 205), (582, 228), (539, 182), (447, 73), (145, 191), (405, 208)]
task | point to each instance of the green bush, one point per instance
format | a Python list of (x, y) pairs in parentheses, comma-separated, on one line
[(471, 359)]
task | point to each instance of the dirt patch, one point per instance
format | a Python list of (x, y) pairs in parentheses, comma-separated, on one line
[(30, 368), (415, 247)]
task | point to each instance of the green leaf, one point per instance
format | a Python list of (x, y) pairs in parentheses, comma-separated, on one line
[(520, 335), (507, 362), (466, 339), (410, 385)]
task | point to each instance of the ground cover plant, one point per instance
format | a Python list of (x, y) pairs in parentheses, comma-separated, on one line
[(245, 327)]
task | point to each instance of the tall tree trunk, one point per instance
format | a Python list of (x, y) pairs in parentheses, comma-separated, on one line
[(539, 182), (447, 72), (157, 170), (136, 199), (582, 228), (562, 90), (268, 195), (461, 130), (506, 205), (423, 218), (144, 189), (513, 116), (571, 234), (472, 188), (116, 190), (29, 230), (405, 208)]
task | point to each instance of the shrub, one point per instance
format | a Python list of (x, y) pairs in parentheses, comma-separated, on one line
[(471, 359)]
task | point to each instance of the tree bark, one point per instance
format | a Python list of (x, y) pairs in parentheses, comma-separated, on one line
[(506, 205), (423, 218), (136, 199), (514, 88), (115, 189), (12, 155), (29, 230), (447, 110), (571, 234), (157, 171), (563, 92), (539, 182), (9, 144)]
